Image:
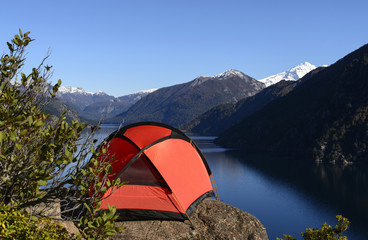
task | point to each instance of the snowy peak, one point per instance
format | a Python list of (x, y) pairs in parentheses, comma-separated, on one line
[(292, 74), (230, 73), (299, 71), (77, 90), (78, 98), (227, 74), (99, 93)]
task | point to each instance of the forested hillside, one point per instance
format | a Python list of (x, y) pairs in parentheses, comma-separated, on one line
[(324, 117), (221, 117)]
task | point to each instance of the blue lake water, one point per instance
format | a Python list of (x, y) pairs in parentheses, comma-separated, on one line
[(287, 195)]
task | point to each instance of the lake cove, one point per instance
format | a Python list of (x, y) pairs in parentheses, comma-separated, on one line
[(287, 195)]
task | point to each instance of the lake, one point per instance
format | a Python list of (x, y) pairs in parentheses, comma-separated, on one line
[(287, 195)]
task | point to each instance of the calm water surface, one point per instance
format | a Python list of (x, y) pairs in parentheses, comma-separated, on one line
[(287, 195)]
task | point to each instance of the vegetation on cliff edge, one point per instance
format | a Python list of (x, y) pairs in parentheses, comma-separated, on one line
[(41, 163)]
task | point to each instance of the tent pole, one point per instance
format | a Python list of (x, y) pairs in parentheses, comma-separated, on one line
[(191, 223), (215, 187)]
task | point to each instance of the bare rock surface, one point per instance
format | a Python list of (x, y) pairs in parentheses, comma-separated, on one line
[(212, 220)]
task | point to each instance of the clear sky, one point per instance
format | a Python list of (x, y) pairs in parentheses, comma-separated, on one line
[(124, 46)]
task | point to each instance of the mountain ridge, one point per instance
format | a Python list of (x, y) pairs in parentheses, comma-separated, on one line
[(179, 103), (221, 117)]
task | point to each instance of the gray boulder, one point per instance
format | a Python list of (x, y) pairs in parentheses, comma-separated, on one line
[(212, 220)]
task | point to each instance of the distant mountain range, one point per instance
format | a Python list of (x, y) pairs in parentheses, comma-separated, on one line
[(193, 98), (324, 117), (178, 104), (95, 106), (77, 98)]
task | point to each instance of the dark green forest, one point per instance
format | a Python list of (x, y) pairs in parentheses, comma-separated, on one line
[(323, 118)]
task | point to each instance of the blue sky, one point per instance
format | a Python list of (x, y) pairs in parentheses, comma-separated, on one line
[(125, 46)]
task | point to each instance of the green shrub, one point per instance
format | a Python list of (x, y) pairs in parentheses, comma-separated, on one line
[(43, 162), (326, 232), (18, 224)]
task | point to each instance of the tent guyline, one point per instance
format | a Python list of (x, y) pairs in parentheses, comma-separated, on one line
[(167, 174)]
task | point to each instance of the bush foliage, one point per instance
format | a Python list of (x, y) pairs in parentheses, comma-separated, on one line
[(326, 232), (42, 161), (18, 224)]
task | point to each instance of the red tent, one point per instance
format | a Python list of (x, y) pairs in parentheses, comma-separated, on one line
[(166, 172)]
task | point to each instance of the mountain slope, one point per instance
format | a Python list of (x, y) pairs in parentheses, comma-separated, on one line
[(220, 118), (292, 74), (55, 108), (180, 103), (325, 117)]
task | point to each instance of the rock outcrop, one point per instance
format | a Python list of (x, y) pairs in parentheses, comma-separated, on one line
[(212, 220)]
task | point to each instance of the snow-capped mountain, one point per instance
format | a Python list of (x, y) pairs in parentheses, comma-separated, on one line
[(99, 104), (78, 98), (292, 74), (225, 75), (230, 73)]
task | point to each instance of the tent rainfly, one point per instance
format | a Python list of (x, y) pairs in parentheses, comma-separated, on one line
[(167, 174)]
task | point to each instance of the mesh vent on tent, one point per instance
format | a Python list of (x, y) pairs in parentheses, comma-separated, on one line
[(141, 172)]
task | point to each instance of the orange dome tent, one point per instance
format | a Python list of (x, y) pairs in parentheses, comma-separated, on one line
[(166, 172)]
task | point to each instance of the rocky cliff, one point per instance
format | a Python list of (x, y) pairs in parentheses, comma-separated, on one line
[(212, 220)]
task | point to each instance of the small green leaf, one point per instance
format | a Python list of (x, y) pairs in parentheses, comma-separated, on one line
[(13, 137), (67, 152), (108, 183), (2, 136), (23, 132), (10, 47), (39, 123), (86, 206), (41, 182), (30, 120)]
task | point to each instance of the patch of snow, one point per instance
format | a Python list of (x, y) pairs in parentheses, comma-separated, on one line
[(99, 92), (292, 74), (145, 91), (199, 80), (228, 73), (77, 90), (69, 89)]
